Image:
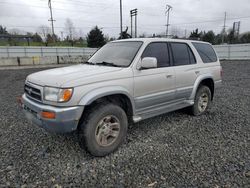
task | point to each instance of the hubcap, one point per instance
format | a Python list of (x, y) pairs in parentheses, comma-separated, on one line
[(107, 130), (203, 102)]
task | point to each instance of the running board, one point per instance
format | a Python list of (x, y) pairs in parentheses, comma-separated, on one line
[(162, 110)]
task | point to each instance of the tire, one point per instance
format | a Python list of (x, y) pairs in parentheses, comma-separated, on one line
[(103, 129), (203, 94)]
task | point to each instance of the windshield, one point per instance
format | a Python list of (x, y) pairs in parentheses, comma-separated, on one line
[(120, 54)]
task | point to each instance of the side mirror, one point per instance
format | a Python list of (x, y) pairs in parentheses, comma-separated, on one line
[(148, 62)]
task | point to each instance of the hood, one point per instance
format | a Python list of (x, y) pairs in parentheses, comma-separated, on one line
[(59, 76)]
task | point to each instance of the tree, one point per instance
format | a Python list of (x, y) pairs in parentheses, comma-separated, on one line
[(49, 39), (15, 31), (209, 37), (245, 38), (125, 35), (37, 38), (195, 34), (44, 31), (70, 29), (143, 35), (218, 39), (3, 30), (95, 38)]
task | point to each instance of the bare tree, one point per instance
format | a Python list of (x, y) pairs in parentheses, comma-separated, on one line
[(44, 31), (15, 31), (70, 29)]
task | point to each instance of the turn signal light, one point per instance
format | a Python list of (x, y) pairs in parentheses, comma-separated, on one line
[(48, 115), (67, 94)]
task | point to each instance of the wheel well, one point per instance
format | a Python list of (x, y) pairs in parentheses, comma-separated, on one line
[(119, 99), (210, 84)]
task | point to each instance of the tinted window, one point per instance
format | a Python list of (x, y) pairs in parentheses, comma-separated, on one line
[(182, 54), (206, 52), (191, 56), (160, 52)]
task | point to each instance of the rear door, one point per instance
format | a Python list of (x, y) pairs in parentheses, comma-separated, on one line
[(185, 68)]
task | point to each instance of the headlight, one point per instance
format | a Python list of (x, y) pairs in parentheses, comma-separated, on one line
[(57, 95)]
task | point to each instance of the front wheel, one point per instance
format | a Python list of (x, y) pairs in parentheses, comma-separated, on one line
[(103, 130), (202, 101)]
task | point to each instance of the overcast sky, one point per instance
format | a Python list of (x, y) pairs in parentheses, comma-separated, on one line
[(28, 15)]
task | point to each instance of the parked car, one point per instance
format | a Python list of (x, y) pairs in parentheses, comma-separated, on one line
[(124, 81)]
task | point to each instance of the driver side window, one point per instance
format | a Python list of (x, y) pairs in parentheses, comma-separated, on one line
[(159, 50)]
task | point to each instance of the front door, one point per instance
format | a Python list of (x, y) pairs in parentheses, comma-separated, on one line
[(156, 86)]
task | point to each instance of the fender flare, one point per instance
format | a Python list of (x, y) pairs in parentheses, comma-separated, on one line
[(95, 94), (198, 80)]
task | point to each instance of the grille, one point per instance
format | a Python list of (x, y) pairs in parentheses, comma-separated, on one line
[(32, 92)]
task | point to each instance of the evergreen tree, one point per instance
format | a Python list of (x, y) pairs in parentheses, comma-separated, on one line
[(195, 34), (3, 30), (125, 35), (209, 37), (37, 38), (95, 38)]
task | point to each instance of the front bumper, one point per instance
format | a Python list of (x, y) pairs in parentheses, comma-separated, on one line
[(218, 84), (66, 119)]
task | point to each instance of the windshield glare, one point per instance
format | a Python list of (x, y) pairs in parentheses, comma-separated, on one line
[(118, 53)]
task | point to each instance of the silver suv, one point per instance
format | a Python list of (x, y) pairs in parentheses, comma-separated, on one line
[(124, 81)]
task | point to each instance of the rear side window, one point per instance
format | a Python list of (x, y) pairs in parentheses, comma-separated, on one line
[(159, 50), (182, 54), (206, 52)]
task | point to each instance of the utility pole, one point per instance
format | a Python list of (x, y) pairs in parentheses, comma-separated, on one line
[(133, 13), (236, 29), (62, 35), (121, 15), (51, 19), (131, 23), (224, 28), (168, 8)]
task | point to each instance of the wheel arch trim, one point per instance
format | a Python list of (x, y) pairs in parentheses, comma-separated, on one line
[(104, 92), (197, 83)]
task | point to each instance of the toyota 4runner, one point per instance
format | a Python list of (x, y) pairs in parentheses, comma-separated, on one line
[(124, 81)]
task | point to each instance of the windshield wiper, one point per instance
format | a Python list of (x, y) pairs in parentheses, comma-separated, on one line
[(89, 63), (107, 64)]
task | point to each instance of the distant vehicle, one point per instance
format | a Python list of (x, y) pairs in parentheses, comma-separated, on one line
[(125, 81)]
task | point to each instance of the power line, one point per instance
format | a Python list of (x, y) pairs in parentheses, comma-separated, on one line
[(58, 9), (85, 4), (207, 21), (29, 26), (150, 25)]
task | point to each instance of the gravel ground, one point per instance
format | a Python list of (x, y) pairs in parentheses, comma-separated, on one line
[(172, 150)]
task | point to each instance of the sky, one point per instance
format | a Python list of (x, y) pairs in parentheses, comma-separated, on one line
[(186, 15)]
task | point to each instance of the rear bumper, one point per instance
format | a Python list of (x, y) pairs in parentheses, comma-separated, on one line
[(66, 119)]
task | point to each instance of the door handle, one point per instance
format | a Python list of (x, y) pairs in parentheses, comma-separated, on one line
[(169, 76)]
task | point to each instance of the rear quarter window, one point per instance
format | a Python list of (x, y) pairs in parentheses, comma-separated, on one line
[(206, 52)]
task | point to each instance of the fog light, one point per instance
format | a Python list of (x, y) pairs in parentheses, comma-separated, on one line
[(48, 115)]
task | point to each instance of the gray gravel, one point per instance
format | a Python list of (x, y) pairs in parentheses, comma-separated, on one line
[(172, 150)]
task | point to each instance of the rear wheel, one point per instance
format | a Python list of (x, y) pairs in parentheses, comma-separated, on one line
[(103, 130), (202, 101)]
